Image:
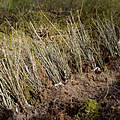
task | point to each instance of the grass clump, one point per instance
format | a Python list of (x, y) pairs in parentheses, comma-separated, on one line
[(53, 60), (15, 71), (108, 36)]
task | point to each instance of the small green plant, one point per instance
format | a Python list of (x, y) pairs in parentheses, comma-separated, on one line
[(89, 111), (27, 94), (105, 69)]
